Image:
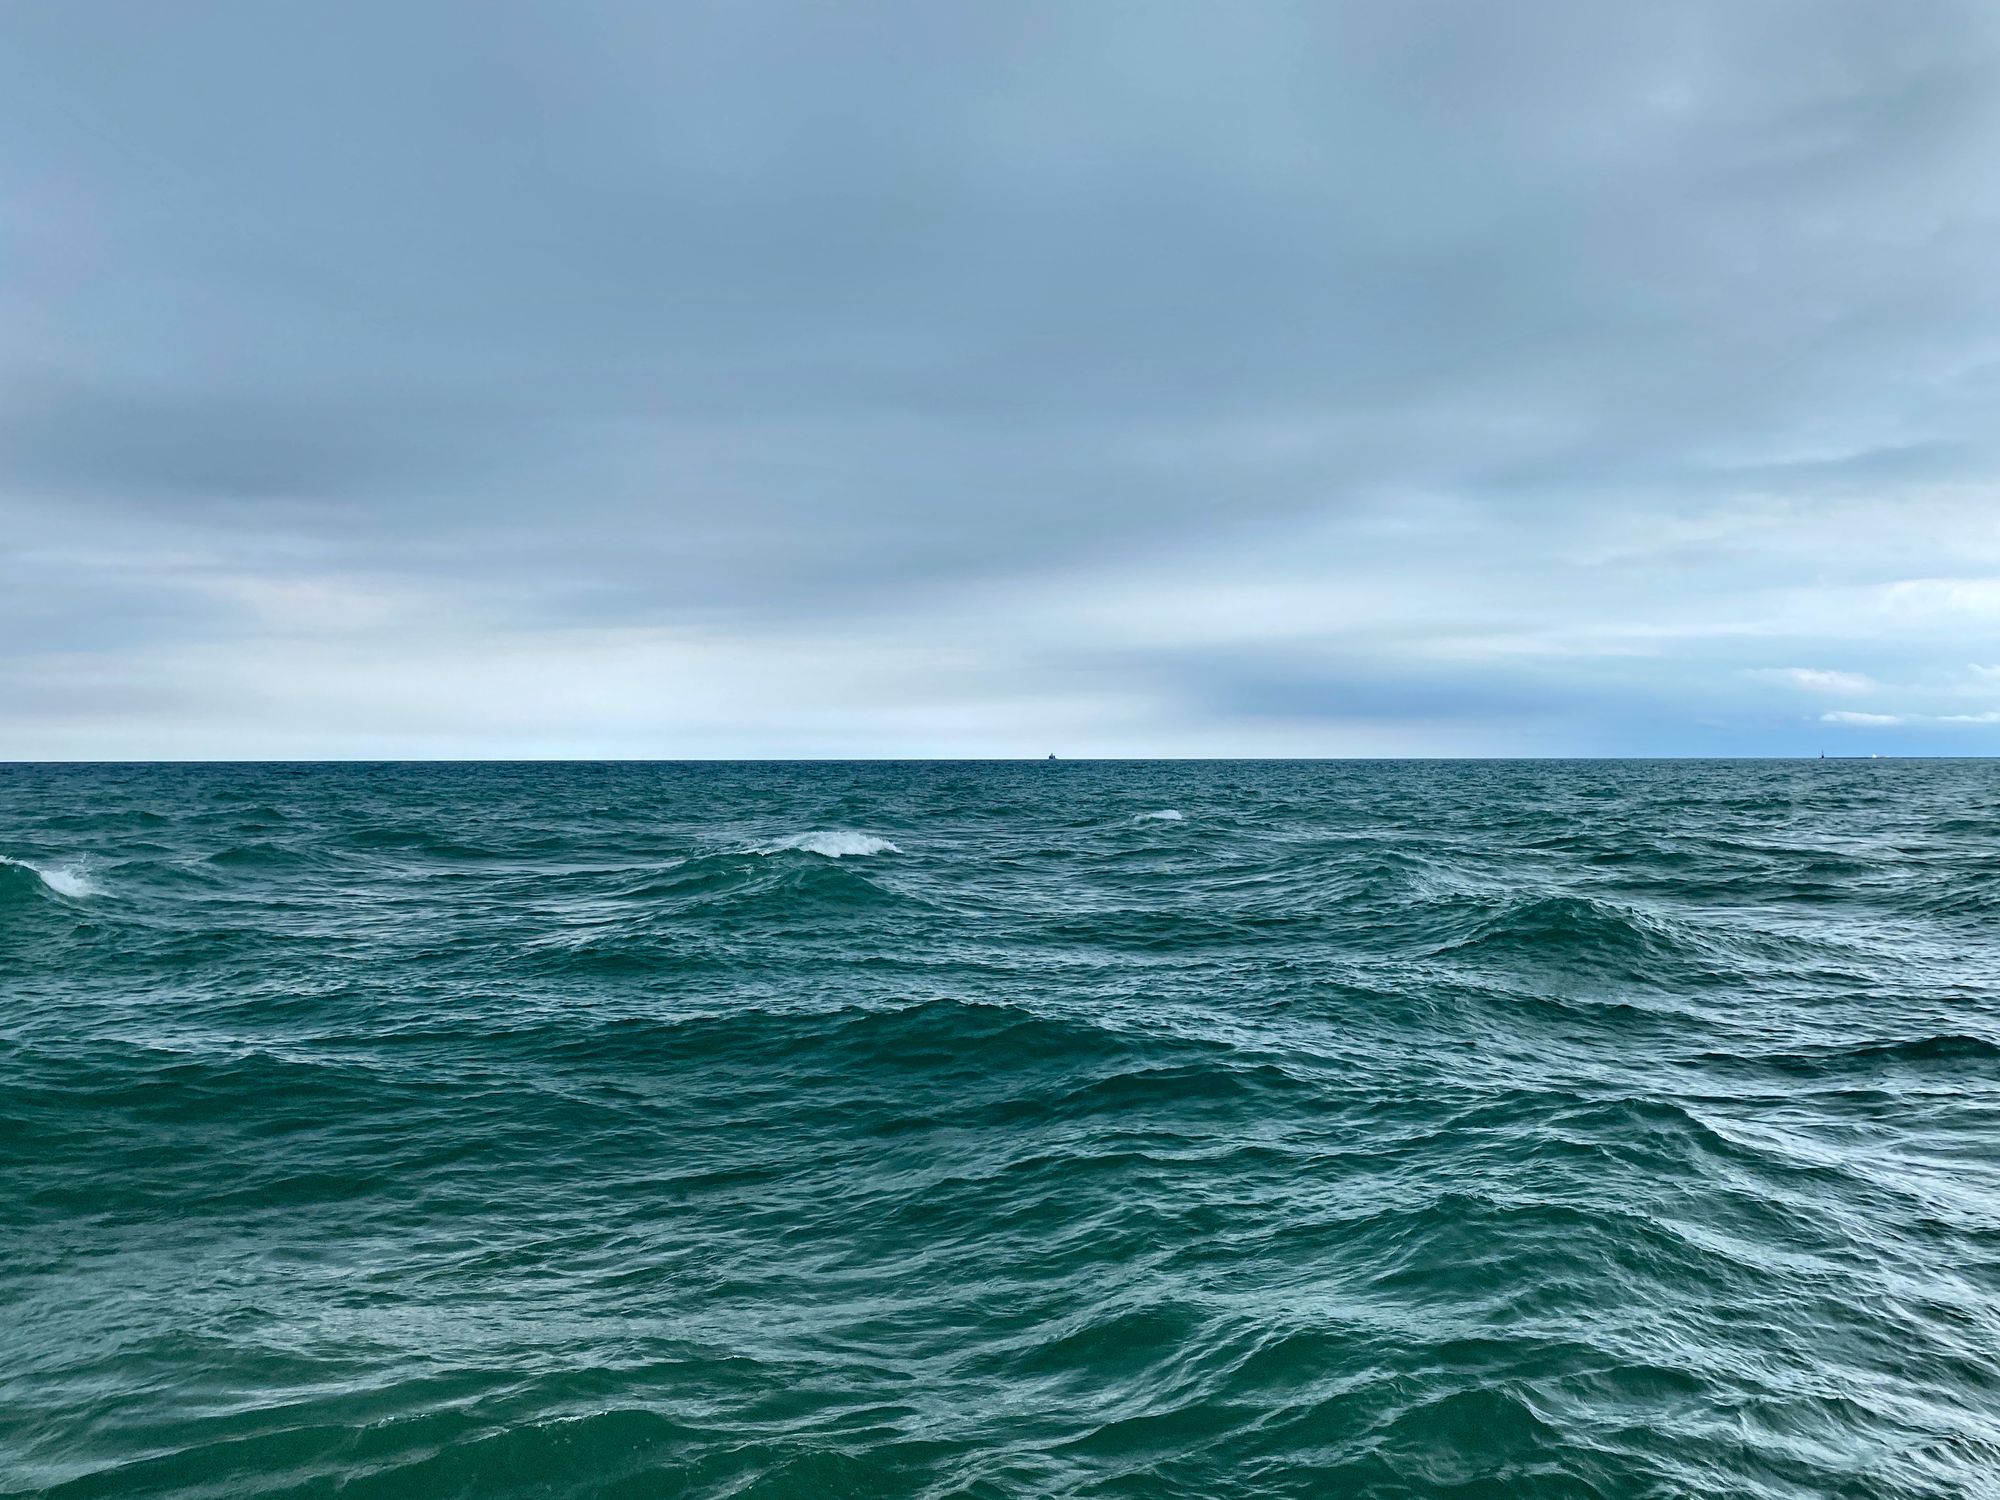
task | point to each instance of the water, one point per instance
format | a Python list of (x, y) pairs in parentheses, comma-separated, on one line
[(1482, 1129)]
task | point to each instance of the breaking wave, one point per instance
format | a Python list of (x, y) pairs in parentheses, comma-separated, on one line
[(833, 843), (71, 880)]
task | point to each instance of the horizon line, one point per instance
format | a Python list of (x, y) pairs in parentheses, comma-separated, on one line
[(918, 760)]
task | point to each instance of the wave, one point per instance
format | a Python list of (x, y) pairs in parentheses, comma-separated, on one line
[(834, 843), (1946, 1047), (70, 879), (435, 843), (971, 1036), (1949, 1045), (1574, 928)]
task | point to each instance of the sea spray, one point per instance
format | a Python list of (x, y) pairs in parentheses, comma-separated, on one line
[(832, 843), (65, 879)]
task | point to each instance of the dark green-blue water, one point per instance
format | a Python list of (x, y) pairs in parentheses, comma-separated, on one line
[(876, 1130)]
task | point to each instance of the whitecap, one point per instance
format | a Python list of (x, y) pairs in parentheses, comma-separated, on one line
[(65, 880), (833, 843), (1164, 815)]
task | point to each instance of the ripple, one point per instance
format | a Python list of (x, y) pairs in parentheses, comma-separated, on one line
[(1412, 1130)]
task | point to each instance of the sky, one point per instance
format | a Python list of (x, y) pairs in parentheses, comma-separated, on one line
[(428, 379)]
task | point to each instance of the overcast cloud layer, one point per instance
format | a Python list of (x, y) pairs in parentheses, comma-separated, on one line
[(769, 379)]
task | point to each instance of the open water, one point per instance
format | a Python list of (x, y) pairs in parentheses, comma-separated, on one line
[(1205, 1130)]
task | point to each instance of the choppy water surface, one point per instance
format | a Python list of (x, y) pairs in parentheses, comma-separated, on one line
[(1479, 1129)]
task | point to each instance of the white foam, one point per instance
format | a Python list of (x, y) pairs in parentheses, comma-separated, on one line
[(65, 880), (833, 843), (1164, 815)]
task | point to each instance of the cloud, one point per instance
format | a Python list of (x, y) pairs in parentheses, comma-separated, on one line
[(1819, 679), (1302, 378), (1849, 716)]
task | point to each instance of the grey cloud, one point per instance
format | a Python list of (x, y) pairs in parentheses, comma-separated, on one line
[(775, 318), (182, 445)]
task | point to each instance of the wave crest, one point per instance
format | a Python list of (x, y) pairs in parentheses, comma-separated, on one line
[(834, 843), (1575, 928), (70, 880)]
